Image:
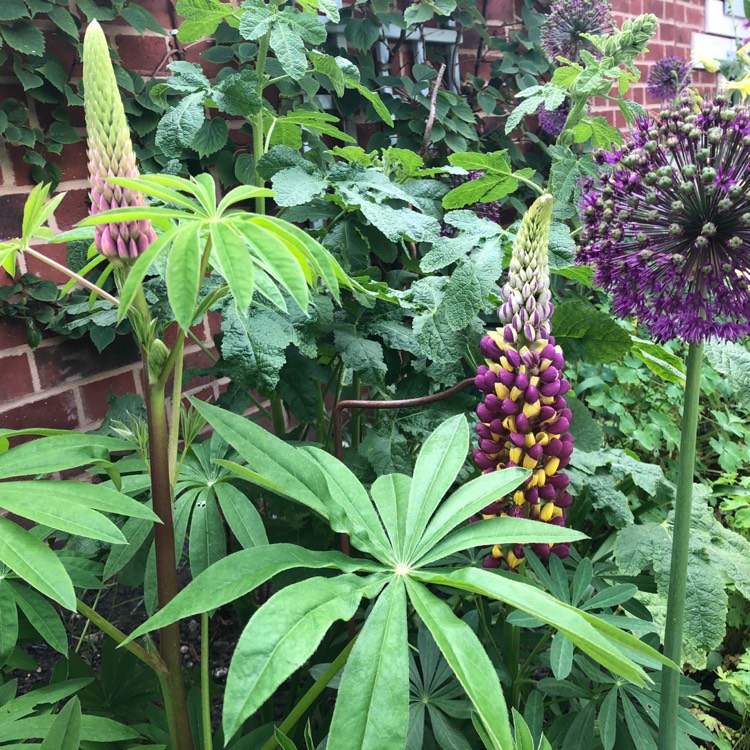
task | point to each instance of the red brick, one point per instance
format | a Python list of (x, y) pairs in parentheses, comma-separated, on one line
[(12, 332), (197, 359), (16, 377), (71, 360), (193, 54), (95, 395), (214, 322), (11, 215), (73, 161), (142, 54), (74, 207), (40, 268), (160, 10), (58, 411)]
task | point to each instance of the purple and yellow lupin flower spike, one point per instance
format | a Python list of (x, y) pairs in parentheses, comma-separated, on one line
[(110, 152), (524, 418)]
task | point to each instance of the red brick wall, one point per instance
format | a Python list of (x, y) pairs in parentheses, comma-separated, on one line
[(65, 383)]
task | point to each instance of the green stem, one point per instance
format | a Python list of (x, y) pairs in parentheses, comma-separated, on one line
[(670, 682), (205, 685), (166, 569), (152, 660), (311, 695), (277, 414), (203, 347), (511, 655), (174, 421), (256, 122)]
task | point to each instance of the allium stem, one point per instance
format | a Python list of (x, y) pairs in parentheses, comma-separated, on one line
[(670, 681)]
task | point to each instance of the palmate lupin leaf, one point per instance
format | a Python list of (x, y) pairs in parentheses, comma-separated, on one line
[(407, 526), (252, 252)]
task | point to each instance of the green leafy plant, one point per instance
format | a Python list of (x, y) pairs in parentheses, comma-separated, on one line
[(407, 526)]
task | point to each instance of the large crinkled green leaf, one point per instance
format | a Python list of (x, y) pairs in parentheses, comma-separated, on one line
[(372, 708), (289, 48), (254, 344), (242, 572), (34, 562), (362, 355), (468, 659), (283, 634), (583, 330), (717, 557), (180, 125), (350, 509), (732, 360), (438, 463)]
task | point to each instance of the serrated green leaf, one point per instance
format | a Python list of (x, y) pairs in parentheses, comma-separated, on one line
[(361, 355), (180, 125), (211, 137), (593, 335), (295, 186), (202, 17), (253, 346), (24, 37), (290, 50)]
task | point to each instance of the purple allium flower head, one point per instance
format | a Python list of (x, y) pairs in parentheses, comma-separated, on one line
[(668, 78), (524, 418), (667, 226), (110, 153), (552, 121), (567, 20)]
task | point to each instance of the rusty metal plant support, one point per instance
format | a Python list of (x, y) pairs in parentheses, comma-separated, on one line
[(402, 403)]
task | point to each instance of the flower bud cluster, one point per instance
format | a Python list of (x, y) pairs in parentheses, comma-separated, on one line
[(524, 418), (110, 152)]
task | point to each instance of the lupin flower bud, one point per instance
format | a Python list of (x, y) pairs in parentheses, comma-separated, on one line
[(524, 418), (110, 152)]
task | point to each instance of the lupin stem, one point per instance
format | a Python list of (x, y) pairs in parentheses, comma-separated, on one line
[(670, 681)]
